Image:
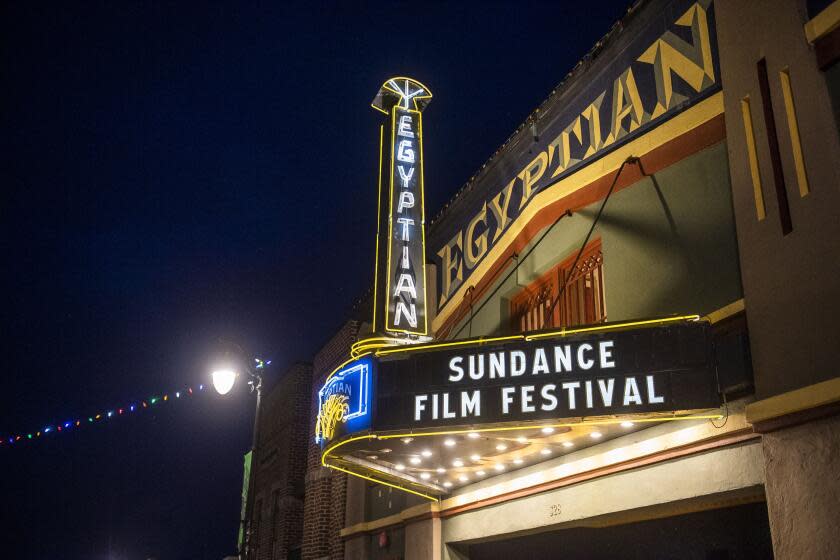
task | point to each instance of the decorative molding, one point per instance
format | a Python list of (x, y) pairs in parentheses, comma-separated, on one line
[(808, 398)]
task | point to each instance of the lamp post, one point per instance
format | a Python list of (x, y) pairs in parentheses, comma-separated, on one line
[(224, 376)]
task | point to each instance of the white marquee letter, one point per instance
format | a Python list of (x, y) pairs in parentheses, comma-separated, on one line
[(517, 363), (453, 365), (605, 350), (497, 365), (548, 395), (405, 284), (606, 388), (404, 127), (470, 405), (406, 236), (406, 201), (540, 362), (506, 398), (582, 362), (631, 392), (652, 397), (406, 177), (570, 387), (527, 397), (419, 406), (405, 152), (410, 313), (446, 412), (562, 358)]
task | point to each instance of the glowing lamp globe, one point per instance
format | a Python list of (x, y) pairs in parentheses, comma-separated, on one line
[(223, 380)]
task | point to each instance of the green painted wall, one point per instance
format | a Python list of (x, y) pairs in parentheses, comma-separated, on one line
[(670, 250)]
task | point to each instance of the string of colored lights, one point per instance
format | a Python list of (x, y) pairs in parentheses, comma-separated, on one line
[(79, 422)]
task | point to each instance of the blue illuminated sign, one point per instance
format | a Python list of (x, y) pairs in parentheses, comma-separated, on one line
[(344, 401)]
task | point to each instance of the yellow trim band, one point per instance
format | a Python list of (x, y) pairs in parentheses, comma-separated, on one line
[(725, 312), (793, 130), (752, 156), (823, 23), (812, 396)]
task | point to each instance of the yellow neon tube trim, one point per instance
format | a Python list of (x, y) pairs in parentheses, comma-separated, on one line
[(423, 214), (380, 343), (524, 337), (369, 345), (338, 444), (378, 109), (375, 341), (363, 351), (387, 86), (418, 82), (371, 479), (564, 332), (422, 185), (378, 220), (553, 425), (372, 338), (352, 358), (390, 220), (449, 344)]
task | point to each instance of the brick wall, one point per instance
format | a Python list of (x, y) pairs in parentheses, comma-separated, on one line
[(280, 465), (325, 489)]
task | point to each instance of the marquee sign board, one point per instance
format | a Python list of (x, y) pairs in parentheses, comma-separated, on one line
[(404, 282), (617, 373), (620, 373)]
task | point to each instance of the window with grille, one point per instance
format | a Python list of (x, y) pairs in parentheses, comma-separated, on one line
[(582, 302)]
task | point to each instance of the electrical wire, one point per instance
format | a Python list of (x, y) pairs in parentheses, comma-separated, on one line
[(631, 159), (515, 268)]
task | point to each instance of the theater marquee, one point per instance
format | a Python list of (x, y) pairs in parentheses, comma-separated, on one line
[(516, 393)]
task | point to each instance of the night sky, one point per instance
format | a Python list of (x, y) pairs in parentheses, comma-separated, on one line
[(176, 173)]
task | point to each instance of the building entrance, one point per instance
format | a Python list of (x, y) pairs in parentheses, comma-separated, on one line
[(735, 533)]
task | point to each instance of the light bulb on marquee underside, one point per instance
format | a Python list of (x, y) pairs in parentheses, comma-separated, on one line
[(223, 380)]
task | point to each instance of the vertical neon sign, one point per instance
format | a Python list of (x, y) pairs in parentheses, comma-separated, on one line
[(403, 274)]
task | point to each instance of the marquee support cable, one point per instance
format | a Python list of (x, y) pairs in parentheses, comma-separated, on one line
[(631, 160), (519, 261)]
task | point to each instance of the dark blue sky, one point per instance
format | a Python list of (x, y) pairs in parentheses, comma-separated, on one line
[(172, 173)]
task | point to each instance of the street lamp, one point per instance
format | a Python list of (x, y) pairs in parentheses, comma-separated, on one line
[(224, 374), (223, 380)]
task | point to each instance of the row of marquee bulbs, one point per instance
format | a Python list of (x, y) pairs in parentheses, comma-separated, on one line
[(498, 466)]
